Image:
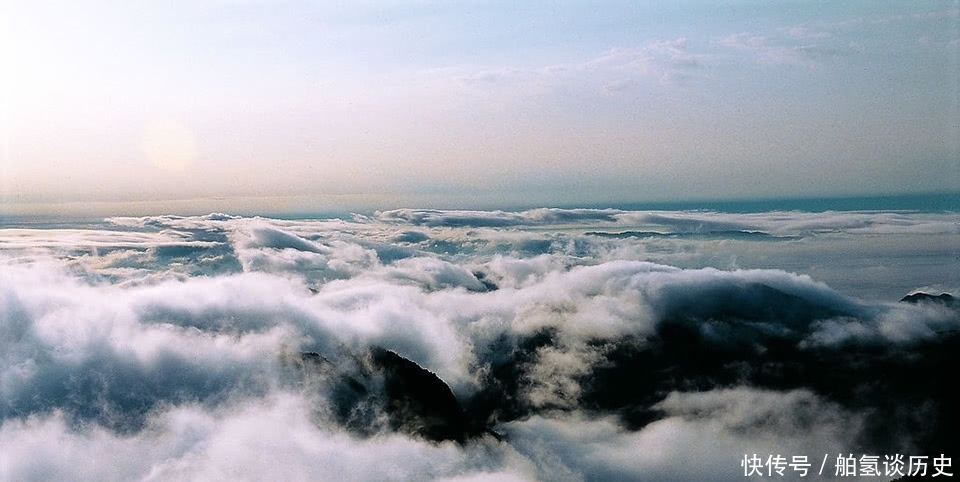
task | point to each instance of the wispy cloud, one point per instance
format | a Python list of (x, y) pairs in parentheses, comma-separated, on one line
[(765, 50), (665, 62)]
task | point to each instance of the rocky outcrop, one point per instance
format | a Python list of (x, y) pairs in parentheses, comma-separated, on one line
[(387, 387), (921, 297), (750, 335)]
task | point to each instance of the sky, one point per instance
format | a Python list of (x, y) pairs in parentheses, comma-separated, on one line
[(289, 105)]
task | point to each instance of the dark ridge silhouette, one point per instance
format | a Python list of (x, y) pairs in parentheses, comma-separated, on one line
[(904, 392), (415, 400), (921, 297), (748, 335), (744, 302), (419, 402)]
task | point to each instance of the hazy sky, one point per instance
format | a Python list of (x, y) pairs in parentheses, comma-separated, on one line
[(475, 101)]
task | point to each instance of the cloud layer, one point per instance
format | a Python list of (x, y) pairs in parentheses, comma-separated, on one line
[(591, 344)]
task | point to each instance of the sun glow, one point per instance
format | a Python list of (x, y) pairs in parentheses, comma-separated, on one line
[(169, 145)]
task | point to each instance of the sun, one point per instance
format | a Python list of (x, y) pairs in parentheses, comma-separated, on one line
[(169, 145)]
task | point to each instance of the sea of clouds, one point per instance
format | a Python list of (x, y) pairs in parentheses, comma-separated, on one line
[(591, 344)]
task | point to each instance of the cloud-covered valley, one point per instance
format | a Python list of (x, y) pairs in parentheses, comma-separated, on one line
[(453, 345)]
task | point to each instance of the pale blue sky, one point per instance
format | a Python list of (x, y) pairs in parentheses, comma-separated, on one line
[(417, 102)]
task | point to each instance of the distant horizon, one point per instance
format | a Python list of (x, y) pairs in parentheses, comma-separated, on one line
[(345, 205)]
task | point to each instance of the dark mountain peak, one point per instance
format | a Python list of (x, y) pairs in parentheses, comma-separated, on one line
[(415, 400), (746, 302), (418, 401), (921, 297)]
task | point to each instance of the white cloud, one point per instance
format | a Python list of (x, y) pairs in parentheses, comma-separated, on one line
[(135, 363), (90, 239), (274, 437)]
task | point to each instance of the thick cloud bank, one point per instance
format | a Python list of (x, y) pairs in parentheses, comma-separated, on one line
[(436, 345)]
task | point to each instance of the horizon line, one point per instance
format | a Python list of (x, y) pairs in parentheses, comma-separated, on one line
[(298, 206)]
